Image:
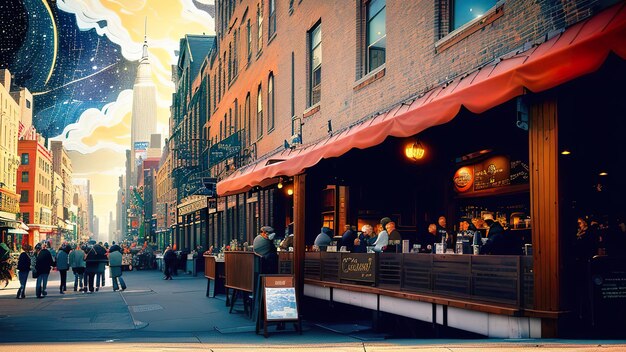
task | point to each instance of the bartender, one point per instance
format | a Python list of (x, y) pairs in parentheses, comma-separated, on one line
[(443, 233), (468, 233)]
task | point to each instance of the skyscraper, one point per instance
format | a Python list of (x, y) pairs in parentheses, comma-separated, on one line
[(144, 111)]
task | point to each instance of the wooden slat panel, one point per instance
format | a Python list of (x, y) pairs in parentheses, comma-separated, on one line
[(312, 265), (451, 274), (330, 266), (209, 267), (417, 272), (543, 155), (240, 270), (390, 270)]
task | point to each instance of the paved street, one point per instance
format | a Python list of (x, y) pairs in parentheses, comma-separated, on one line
[(176, 315)]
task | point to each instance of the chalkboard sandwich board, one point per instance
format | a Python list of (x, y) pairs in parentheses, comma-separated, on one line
[(279, 303)]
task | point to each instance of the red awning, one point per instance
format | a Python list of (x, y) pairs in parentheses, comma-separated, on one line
[(579, 50)]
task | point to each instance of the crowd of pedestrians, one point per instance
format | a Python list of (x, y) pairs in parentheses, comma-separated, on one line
[(87, 262)]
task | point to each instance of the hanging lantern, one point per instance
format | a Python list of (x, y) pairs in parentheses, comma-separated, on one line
[(414, 151)]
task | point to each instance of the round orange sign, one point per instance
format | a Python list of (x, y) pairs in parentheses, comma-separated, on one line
[(463, 179)]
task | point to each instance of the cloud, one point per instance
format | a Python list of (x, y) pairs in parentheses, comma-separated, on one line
[(79, 136)]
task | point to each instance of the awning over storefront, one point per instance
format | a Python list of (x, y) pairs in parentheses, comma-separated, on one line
[(18, 231), (579, 50)]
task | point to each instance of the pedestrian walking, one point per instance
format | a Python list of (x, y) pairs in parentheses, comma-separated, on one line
[(91, 267), (63, 266), (43, 265), (23, 268), (102, 262), (169, 258), (77, 262), (115, 270)]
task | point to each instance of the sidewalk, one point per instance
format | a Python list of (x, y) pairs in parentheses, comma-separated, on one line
[(177, 315)]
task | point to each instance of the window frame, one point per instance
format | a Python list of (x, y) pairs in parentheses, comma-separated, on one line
[(24, 194), (312, 70), (25, 159), (259, 112), (259, 18), (271, 20), (368, 45), (270, 103)]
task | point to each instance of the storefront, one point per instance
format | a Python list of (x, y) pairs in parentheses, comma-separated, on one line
[(191, 225), (497, 140)]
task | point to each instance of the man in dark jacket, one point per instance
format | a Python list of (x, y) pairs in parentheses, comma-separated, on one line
[(43, 266), (92, 258), (23, 267), (498, 241), (169, 258)]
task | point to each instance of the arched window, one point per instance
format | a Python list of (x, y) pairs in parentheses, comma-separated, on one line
[(270, 102), (259, 113)]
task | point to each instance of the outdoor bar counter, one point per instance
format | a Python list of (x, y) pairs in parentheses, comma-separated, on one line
[(214, 272), (490, 283)]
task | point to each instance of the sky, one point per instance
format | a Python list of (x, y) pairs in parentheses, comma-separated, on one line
[(79, 59)]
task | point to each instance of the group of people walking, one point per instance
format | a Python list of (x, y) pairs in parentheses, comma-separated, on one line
[(88, 263)]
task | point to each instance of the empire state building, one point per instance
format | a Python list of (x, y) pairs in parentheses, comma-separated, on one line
[(144, 111)]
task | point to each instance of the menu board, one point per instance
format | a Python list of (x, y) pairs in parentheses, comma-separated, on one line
[(492, 172), (280, 298)]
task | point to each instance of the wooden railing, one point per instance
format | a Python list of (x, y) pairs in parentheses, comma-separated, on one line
[(504, 280)]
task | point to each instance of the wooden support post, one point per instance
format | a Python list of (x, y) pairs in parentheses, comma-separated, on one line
[(299, 228), (544, 200)]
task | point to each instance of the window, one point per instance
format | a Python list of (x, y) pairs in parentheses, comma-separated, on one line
[(464, 11), (235, 57), (272, 19), (376, 34), (25, 158), (249, 35), (24, 196), (270, 103), (27, 104), (315, 64), (259, 113), (259, 17), (248, 124), (25, 177), (26, 218), (230, 63)]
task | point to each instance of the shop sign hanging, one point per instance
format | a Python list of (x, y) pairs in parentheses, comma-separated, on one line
[(464, 179), (224, 149)]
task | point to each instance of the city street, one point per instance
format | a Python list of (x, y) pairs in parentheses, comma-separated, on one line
[(176, 315)]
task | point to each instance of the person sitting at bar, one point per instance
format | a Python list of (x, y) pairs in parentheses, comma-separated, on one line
[(395, 239), (364, 239), (498, 241), (322, 241), (394, 235), (264, 246), (348, 237), (383, 236), (431, 238)]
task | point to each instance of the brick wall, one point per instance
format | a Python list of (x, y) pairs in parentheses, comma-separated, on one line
[(414, 63)]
